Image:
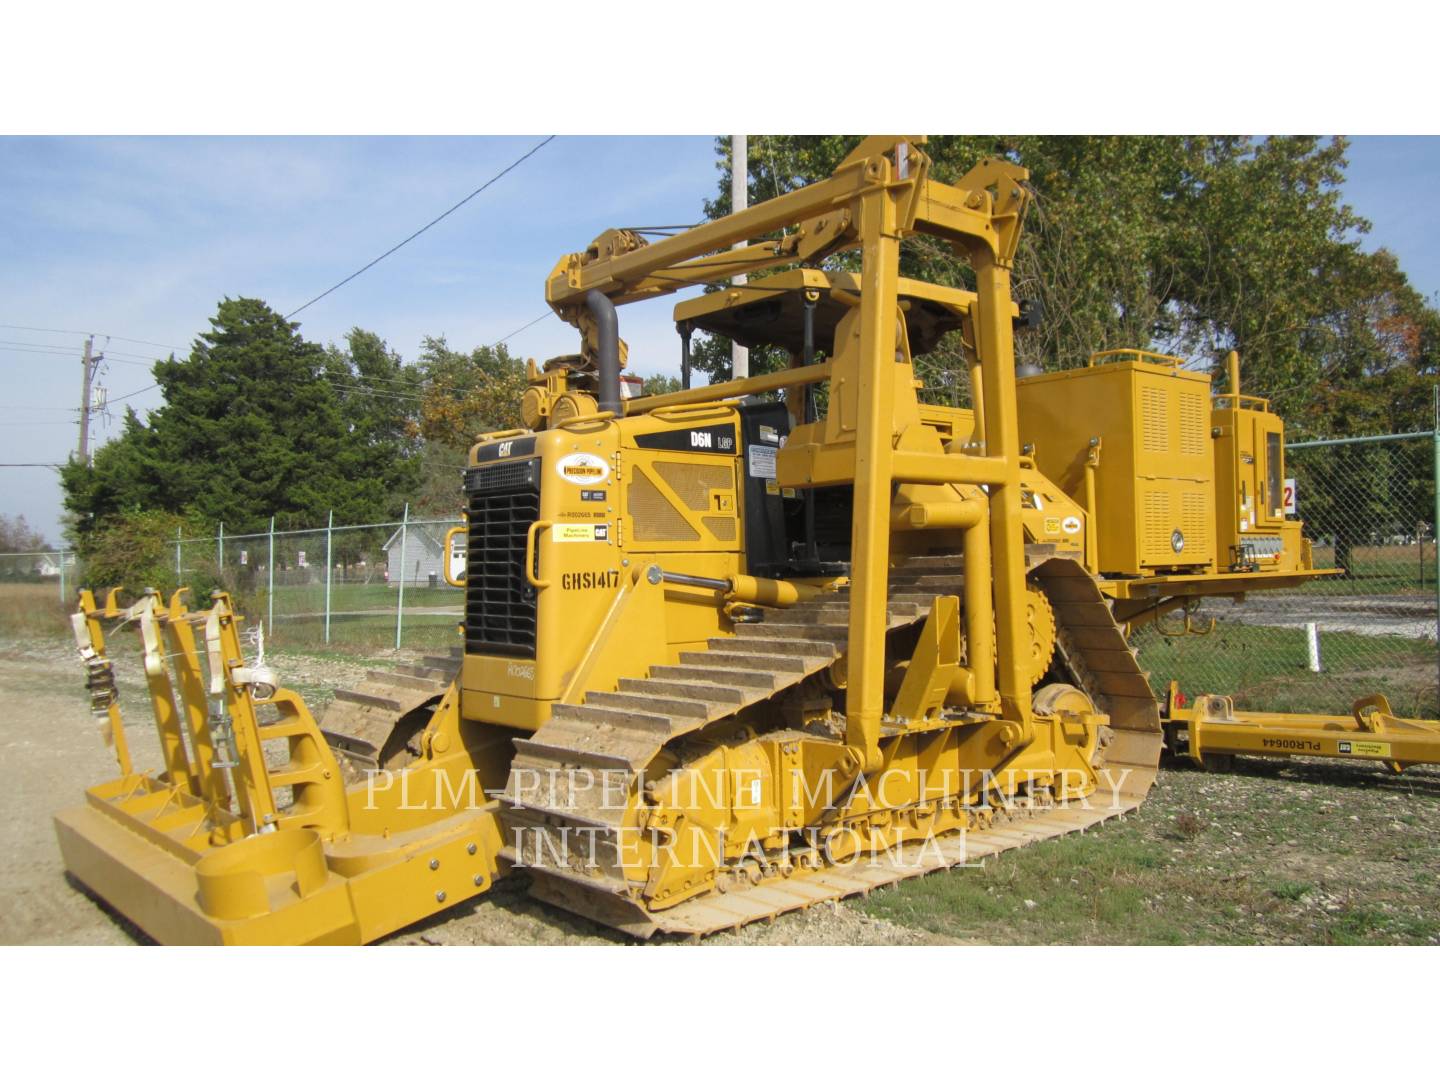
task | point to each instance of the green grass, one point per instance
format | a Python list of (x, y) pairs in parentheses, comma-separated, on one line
[(310, 599), (1264, 668), (1398, 569), (1291, 853)]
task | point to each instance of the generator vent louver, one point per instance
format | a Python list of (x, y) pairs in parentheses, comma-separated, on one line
[(1154, 420), (499, 602), (1192, 424)]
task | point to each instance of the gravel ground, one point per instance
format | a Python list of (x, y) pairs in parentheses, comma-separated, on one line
[(1275, 852)]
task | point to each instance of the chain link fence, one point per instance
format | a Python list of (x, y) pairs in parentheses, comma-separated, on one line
[(362, 587), (1369, 511), (1368, 507)]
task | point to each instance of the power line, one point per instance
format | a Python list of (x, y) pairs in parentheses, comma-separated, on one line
[(30, 465), (86, 333), (114, 358), (534, 149), (522, 329), (133, 393)]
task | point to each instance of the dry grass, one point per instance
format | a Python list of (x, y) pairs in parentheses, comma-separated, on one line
[(33, 611)]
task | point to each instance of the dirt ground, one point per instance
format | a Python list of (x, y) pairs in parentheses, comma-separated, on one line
[(52, 751), (1276, 852)]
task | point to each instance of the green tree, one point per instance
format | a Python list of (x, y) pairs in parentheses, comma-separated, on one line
[(660, 384), (259, 422), (1194, 245), (468, 394)]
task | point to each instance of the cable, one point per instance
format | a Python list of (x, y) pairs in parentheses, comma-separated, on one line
[(527, 326), (30, 465), (122, 397), (534, 149), (69, 353), (92, 333)]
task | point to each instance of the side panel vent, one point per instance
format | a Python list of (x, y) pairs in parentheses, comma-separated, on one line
[(654, 516), (1154, 426), (1158, 525), (693, 483), (1192, 424)]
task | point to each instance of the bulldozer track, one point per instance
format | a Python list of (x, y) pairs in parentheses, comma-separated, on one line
[(623, 731), (367, 725)]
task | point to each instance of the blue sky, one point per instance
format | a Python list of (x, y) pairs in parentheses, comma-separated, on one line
[(140, 237)]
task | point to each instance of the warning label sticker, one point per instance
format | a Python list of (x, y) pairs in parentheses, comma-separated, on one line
[(762, 461)]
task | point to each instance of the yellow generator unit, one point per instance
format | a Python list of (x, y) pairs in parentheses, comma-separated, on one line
[(1253, 531), (1128, 437)]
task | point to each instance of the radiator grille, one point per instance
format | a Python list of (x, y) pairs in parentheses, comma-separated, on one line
[(1192, 424), (499, 602), (654, 515), (1154, 431), (503, 477)]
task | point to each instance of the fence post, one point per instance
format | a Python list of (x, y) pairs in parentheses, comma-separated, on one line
[(220, 553), (400, 604), (179, 573), (329, 534), (62, 577), (1435, 529), (270, 585)]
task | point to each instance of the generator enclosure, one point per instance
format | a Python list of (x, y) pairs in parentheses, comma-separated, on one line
[(1147, 427)]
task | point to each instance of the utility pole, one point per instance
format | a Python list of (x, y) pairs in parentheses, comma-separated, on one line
[(89, 362), (739, 200)]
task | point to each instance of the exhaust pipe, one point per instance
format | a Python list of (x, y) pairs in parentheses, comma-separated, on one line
[(607, 325)]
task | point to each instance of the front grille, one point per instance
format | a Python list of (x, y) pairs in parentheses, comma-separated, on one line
[(499, 602)]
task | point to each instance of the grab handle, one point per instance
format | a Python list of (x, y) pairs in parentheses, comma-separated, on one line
[(535, 527)]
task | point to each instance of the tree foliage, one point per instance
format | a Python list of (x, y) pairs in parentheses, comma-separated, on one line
[(468, 394), (1192, 245), (259, 422), (17, 536), (135, 549)]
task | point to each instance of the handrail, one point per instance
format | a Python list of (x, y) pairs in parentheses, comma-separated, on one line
[(593, 418), (694, 408), (1142, 355)]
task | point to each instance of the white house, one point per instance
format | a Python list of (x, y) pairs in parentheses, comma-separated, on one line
[(424, 555)]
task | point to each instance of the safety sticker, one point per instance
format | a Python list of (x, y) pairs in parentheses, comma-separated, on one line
[(1071, 524), (1355, 748), (762, 461), (570, 534), (1052, 526), (583, 469), (769, 434)]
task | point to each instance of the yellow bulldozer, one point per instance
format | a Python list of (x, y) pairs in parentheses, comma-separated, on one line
[(745, 647)]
